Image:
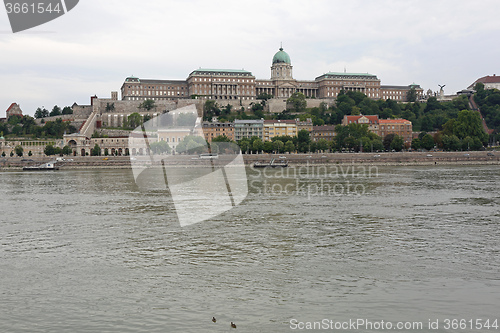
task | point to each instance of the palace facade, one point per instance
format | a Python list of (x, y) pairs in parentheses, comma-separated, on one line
[(242, 85)]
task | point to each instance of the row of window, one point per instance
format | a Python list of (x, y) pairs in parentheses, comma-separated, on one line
[(156, 93), (179, 139), (224, 80), (222, 74), (157, 87)]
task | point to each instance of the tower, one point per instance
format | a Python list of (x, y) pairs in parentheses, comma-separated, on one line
[(281, 68)]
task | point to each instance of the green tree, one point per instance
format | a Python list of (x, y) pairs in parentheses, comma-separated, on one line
[(268, 147), (19, 151), (258, 110), (221, 138), (148, 104), (416, 144), (192, 145), (14, 120), (289, 146), (134, 120), (323, 145), (469, 124), (451, 142), (244, 145), (297, 102), (427, 142), (210, 110), (56, 111), (278, 146), (227, 109), (412, 95), (303, 141), (49, 150), (160, 147), (110, 107), (388, 140), (17, 130), (96, 151), (467, 143), (397, 143), (67, 150), (377, 144), (41, 113), (67, 110), (263, 97), (257, 145)]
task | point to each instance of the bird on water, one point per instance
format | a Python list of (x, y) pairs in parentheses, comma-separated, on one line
[(233, 325), (214, 320)]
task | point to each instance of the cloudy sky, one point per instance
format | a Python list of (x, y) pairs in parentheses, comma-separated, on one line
[(94, 47)]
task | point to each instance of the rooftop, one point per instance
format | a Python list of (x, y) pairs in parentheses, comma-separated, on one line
[(373, 117), (246, 121), (339, 75), (281, 57), (487, 79), (205, 71), (393, 121), (282, 121), (416, 86)]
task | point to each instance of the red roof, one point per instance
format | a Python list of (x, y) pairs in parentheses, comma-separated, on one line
[(489, 79), (11, 106), (373, 119), (393, 121)]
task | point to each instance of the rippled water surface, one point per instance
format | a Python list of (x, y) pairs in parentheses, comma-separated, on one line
[(87, 251)]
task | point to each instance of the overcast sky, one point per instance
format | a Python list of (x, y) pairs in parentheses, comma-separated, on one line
[(94, 47)]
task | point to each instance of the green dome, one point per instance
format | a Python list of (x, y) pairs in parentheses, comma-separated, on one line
[(281, 57)]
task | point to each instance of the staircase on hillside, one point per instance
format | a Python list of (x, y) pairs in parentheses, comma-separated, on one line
[(473, 106)]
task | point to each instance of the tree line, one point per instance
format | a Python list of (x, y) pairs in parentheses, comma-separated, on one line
[(56, 111), (26, 126)]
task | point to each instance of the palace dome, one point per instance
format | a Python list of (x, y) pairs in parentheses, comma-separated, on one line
[(281, 57)]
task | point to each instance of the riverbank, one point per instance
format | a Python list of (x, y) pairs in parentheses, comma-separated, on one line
[(401, 158)]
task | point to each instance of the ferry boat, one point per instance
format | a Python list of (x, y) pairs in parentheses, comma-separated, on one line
[(49, 166), (273, 164), (209, 156)]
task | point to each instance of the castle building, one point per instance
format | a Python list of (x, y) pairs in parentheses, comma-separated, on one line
[(241, 85), (14, 110)]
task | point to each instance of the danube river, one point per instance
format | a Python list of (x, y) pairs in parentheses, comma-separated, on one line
[(88, 251)]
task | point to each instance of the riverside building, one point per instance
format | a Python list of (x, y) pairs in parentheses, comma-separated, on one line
[(242, 85)]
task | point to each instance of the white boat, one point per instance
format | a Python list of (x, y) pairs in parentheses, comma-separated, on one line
[(273, 164), (209, 156), (49, 166)]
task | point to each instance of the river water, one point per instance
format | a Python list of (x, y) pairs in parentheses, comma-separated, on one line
[(88, 251)]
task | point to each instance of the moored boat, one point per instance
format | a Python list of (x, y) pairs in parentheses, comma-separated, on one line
[(272, 164), (49, 166)]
